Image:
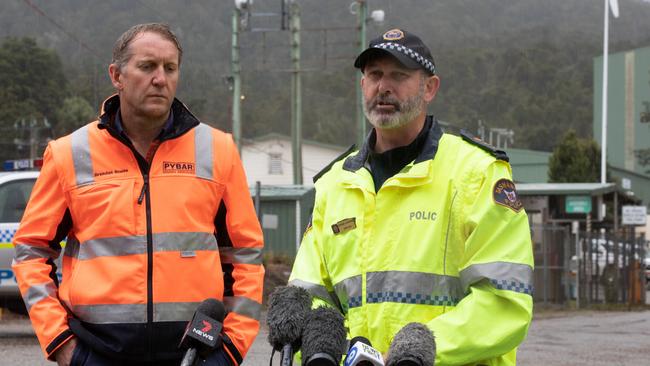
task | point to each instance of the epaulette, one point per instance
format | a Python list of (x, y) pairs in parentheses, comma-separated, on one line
[(475, 140), (329, 166)]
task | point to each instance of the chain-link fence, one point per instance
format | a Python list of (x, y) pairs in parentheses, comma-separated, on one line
[(588, 267)]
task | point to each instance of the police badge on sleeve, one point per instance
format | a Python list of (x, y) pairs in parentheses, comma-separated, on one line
[(505, 194)]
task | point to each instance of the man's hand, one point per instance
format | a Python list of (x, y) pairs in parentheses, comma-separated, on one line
[(63, 355)]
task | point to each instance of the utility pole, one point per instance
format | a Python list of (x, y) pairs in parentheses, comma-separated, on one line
[(362, 15), (236, 79), (296, 92)]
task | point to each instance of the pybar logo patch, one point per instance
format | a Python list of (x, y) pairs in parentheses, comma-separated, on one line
[(178, 167)]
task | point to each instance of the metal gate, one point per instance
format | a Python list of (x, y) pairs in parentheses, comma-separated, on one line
[(588, 267)]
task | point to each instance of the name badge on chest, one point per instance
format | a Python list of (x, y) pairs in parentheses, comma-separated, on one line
[(344, 225)]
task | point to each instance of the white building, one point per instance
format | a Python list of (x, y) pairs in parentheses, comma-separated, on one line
[(268, 159)]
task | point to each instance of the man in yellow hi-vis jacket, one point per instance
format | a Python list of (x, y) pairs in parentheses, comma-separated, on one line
[(419, 225)]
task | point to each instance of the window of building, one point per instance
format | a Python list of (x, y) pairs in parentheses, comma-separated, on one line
[(275, 163)]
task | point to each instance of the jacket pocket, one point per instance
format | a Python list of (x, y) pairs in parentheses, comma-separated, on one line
[(104, 209)]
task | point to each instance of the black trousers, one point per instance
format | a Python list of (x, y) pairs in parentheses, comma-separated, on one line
[(85, 356)]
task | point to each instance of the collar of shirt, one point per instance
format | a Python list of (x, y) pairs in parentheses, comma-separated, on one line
[(119, 127), (391, 162)]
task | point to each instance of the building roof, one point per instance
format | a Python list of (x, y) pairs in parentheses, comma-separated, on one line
[(592, 189), (279, 136), (283, 192)]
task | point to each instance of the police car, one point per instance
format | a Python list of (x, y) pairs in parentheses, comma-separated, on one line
[(15, 188)]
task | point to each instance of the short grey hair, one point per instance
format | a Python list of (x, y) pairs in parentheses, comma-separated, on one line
[(121, 52)]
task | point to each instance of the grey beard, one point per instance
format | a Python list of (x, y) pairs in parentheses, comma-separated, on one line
[(405, 112)]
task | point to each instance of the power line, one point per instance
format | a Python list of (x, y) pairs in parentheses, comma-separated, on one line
[(61, 28)]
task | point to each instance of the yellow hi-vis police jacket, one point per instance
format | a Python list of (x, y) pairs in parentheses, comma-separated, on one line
[(444, 242)]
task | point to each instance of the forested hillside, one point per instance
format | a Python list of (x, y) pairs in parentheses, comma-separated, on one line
[(519, 64)]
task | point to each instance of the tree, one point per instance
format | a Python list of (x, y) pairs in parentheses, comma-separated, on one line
[(74, 113), (575, 160), (32, 86)]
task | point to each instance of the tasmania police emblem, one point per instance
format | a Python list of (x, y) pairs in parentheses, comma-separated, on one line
[(393, 35), (505, 194)]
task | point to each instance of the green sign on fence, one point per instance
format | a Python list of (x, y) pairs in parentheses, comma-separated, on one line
[(578, 204)]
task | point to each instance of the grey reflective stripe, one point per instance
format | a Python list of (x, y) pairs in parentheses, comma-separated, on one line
[(162, 242), (203, 151), (174, 311), (241, 255), (503, 275), (349, 292), (39, 292), (165, 242), (112, 247), (413, 288), (26, 252), (111, 314), (83, 165), (317, 290), (243, 306)]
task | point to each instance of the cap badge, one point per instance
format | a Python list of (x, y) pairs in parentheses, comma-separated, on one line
[(393, 35)]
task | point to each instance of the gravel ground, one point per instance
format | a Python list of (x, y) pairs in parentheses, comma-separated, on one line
[(555, 338)]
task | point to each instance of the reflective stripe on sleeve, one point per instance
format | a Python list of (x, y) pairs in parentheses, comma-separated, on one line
[(243, 306), (26, 252), (241, 255), (83, 165), (502, 275), (203, 151), (413, 288), (39, 292), (317, 290), (349, 292)]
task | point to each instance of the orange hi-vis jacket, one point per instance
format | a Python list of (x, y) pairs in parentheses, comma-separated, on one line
[(146, 242)]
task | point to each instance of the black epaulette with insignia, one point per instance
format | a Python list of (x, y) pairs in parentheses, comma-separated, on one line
[(474, 140), (329, 166)]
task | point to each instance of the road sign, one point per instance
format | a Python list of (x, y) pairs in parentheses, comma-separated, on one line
[(577, 204), (634, 215)]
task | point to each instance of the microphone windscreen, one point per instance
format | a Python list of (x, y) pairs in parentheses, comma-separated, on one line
[(361, 339), (324, 333), (212, 308), (288, 308), (415, 343)]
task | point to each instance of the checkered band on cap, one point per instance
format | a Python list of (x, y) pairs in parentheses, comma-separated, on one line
[(428, 65)]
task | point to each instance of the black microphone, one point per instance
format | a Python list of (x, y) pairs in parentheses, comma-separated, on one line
[(202, 334), (413, 345), (361, 353), (323, 338), (288, 308)]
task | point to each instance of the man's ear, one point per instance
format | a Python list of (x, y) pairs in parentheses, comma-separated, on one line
[(116, 76), (431, 86)]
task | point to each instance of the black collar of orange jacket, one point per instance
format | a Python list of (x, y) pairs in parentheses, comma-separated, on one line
[(428, 151), (184, 120)]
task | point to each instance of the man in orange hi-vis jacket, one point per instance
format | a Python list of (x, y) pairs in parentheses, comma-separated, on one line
[(157, 215)]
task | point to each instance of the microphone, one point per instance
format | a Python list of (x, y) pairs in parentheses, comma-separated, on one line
[(361, 353), (202, 334), (323, 338), (288, 308), (413, 345)]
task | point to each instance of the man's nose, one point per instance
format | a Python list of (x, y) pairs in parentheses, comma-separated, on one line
[(159, 77), (384, 86)]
